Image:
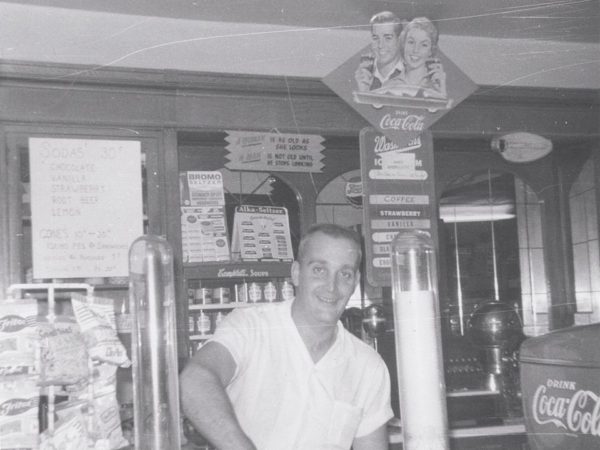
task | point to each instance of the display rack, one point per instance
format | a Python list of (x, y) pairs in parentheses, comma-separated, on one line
[(15, 293), (202, 313)]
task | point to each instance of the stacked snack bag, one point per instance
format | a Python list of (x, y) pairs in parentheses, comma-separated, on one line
[(72, 358), (19, 391)]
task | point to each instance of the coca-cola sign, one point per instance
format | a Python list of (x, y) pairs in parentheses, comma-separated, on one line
[(402, 122), (573, 410)]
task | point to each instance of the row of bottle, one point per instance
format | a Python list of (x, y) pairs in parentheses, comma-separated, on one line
[(254, 292)]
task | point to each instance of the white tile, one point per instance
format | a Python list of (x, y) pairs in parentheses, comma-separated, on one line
[(595, 302), (525, 276), (534, 229), (542, 319), (594, 261), (582, 318), (581, 268), (522, 226), (591, 214), (539, 271), (585, 180), (578, 219), (542, 302), (584, 301)]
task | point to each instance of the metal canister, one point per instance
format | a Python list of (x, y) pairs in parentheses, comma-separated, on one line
[(270, 292), (221, 295), (191, 323), (254, 293), (191, 291), (203, 296), (241, 293)]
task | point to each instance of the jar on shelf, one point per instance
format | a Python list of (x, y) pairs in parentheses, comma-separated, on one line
[(241, 292), (203, 323), (203, 296), (287, 290), (255, 292), (270, 292), (221, 295)]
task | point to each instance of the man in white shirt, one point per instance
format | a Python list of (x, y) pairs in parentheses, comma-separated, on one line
[(288, 375), (385, 62)]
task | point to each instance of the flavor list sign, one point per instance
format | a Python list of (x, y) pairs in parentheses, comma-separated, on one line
[(274, 152), (398, 185), (86, 206)]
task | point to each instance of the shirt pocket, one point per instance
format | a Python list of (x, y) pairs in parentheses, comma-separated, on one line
[(343, 424)]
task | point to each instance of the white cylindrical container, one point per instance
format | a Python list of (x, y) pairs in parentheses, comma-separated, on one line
[(417, 334), (154, 345)]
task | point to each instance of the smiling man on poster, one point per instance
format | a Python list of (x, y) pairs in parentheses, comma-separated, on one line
[(384, 60)]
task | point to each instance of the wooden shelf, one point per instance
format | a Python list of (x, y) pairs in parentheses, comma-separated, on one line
[(222, 306), (226, 270)]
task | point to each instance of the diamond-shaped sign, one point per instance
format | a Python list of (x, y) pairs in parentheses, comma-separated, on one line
[(402, 108)]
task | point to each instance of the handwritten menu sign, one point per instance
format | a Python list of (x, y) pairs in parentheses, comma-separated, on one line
[(274, 152), (399, 194), (261, 233), (86, 206)]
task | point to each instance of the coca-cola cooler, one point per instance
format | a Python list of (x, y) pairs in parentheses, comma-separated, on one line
[(560, 382)]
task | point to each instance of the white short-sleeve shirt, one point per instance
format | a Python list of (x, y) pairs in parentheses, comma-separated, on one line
[(283, 400)]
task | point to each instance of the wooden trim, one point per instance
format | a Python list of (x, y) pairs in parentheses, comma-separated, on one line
[(169, 80), (83, 95)]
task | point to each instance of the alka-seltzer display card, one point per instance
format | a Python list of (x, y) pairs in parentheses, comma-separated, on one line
[(261, 233), (203, 224), (86, 206)]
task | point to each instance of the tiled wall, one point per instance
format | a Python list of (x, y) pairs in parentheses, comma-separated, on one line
[(535, 291), (584, 234)]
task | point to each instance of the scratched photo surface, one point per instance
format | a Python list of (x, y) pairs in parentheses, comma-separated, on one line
[(546, 49)]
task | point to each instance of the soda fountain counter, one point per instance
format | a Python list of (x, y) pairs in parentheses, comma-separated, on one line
[(560, 380)]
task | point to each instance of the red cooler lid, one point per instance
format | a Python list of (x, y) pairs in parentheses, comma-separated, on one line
[(575, 346)]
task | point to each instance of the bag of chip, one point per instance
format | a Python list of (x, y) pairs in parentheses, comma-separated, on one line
[(63, 354), (19, 401), (96, 318), (18, 338)]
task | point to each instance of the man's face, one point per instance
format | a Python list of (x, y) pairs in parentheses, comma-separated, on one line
[(385, 43), (324, 279)]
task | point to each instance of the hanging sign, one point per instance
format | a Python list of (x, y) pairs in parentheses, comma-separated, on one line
[(422, 87), (86, 206), (274, 152), (398, 194)]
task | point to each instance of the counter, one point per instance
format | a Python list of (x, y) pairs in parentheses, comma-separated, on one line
[(508, 436)]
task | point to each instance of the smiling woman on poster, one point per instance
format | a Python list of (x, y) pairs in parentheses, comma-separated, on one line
[(423, 73)]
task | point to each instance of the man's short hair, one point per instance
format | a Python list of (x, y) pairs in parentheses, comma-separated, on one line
[(334, 231), (387, 17)]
